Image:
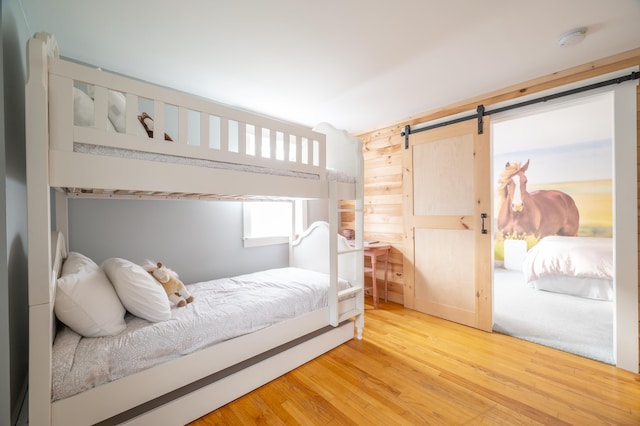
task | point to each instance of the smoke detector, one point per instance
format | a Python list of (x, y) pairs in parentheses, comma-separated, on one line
[(572, 37)]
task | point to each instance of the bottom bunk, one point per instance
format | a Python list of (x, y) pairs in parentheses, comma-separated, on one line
[(237, 334), (191, 386), (243, 378)]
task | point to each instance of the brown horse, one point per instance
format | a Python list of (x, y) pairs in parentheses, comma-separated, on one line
[(539, 213)]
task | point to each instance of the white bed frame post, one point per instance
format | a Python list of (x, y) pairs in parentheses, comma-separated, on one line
[(335, 209), (359, 231), (61, 204), (40, 47), (334, 228)]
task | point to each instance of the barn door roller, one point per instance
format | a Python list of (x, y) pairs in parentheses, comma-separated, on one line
[(480, 112), (406, 132)]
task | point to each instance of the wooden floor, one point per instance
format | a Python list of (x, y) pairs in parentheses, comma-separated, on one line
[(413, 369)]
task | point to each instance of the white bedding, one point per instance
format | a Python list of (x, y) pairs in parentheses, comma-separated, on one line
[(579, 266), (222, 309)]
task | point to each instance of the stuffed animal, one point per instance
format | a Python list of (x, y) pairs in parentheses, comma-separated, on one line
[(147, 122), (176, 291)]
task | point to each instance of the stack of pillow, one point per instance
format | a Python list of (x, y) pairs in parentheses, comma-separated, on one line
[(84, 111), (92, 300)]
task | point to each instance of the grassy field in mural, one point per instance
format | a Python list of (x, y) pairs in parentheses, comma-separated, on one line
[(594, 200)]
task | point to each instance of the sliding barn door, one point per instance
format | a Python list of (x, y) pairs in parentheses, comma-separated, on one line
[(448, 242)]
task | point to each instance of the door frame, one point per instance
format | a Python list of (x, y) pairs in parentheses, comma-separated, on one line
[(625, 207), (626, 326)]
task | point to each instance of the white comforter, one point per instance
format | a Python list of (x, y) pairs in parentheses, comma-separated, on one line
[(222, 309), (577, 266), (571, 256)]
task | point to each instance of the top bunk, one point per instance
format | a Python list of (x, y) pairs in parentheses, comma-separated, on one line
[(99, 134)]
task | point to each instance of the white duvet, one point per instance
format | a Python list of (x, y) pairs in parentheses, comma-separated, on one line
[(580, 266), (222, 309)]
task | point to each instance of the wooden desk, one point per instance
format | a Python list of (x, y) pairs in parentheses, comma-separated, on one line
[(373, 251)]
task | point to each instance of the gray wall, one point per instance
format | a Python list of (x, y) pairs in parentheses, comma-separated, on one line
[(200, 240), (14, 327)]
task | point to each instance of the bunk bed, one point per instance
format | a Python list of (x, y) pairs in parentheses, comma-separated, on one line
[(214, 152)]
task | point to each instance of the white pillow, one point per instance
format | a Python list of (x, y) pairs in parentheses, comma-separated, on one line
[(117, 111), (75, 262), (83, 110), (86, 301), (139, 292)]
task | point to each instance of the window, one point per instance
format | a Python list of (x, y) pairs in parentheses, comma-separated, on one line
[(272, 222)]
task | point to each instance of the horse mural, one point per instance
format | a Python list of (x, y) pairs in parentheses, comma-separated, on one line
[(539, 213)]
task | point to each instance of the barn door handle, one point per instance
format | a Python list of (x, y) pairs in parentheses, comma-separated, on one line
[(483, 216)]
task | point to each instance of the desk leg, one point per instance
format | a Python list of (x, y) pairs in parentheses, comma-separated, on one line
[(386, 272), (373, 281)]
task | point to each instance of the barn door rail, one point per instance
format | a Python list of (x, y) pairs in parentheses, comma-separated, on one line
[(481, 112)]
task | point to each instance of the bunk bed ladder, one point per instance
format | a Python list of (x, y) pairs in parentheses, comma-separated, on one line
[(356, 258)]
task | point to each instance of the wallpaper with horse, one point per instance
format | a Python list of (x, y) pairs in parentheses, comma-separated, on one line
[(553, 173)]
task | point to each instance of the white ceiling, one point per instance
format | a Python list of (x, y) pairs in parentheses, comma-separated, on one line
[(358, 64)]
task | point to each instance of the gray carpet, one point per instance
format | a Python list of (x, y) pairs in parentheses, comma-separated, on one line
[(572, 324)]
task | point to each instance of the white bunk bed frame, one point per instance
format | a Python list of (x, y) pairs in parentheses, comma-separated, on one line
[(188, 387)]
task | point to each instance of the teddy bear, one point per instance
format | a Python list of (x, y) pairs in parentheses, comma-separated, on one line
[(175, 289)]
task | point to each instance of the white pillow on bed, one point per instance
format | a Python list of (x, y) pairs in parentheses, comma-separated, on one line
[(117, 112), (85, 299), (139, 292), (83, 110), (75, 262)]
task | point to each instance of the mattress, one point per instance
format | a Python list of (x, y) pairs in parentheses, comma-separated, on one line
[(223, 309)]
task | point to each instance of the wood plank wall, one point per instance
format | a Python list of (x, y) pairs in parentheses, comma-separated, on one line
[(383, 160), (383, 205)]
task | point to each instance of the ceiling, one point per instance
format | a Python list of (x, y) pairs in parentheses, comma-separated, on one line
[(358, 64)]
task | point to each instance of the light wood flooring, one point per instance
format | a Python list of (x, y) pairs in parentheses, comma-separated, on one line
[(411, 368)]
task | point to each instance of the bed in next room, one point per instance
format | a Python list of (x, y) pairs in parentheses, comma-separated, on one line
[(577, 266)]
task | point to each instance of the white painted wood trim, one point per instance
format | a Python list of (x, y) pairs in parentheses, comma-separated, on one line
[(625, 224), (39, 229), (77, 170), (64, 73)]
